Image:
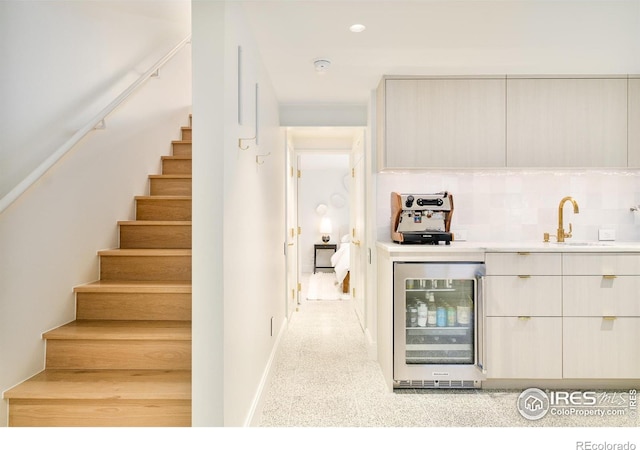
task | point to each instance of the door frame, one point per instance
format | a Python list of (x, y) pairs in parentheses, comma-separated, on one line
[(356, 279)]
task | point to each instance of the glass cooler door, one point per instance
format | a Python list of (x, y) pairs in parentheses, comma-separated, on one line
[(436, 326), (439, 325)]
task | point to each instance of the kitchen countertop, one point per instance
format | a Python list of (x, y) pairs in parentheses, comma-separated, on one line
[(483, 247)]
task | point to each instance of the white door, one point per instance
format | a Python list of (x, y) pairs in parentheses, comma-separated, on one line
[(358, 234), (291, 241)]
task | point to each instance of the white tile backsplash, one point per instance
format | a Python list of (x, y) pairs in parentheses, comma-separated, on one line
[(520, 205)]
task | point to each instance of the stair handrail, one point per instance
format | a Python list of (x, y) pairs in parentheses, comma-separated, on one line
[(93, 124)]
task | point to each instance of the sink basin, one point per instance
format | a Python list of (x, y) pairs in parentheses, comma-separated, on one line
[(582, 244)]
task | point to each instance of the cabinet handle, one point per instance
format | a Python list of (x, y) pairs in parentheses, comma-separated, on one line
[(524, 253), (524, 317), (609, 318), (524, 276), (609, 277)]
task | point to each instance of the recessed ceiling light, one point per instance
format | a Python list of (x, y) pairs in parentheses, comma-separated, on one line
[(357, 28)]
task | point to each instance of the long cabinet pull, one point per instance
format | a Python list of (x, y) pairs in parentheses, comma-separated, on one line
[(524, 276), (524, 317), (609, 317), (524, 253), (481, 326), (609, 277)]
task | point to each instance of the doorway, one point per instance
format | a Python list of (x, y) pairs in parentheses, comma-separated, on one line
[(325, 202)]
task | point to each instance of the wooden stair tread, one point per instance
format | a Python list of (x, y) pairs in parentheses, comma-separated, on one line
[(113, 286), (182, 141), (157, 330), (163, 197), (54, 384), (176, 176), (146, 252), (169, 157), (147, 223)]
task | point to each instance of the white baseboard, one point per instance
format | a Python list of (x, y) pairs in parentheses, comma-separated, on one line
[(255, 412)]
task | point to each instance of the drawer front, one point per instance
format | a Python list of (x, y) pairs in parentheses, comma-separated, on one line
[(524, 348), (524, 263), (601, 264), (524, 295), (601, 296), (601, 348)]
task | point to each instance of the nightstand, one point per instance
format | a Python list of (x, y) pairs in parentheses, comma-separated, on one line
[(322, 256)]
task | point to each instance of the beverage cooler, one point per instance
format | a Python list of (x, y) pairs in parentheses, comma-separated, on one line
[(438, 325)]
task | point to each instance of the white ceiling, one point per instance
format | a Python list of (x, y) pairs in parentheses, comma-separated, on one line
[(435, 37)]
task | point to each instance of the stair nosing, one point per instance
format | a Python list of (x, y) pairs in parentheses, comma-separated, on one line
[(135, 286), (163, 197), (177, 176), (156, 222), (110, 384), (121, 330), (145, 252), (177, 157)]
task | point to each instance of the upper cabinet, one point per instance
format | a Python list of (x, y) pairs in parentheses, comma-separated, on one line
[(567, 122), (438, 122), (510, 121), (634, 121)]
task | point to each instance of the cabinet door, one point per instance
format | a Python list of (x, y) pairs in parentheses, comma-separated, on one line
[(634, 120), (524, 347), (601, 347), (524, 296), (567, 122), (601, 264), (599, 296), (444, 123), (523, 263)]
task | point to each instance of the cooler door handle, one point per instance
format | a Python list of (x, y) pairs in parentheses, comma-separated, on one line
[(480, 327)]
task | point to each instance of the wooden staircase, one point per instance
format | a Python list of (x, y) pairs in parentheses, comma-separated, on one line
[(126, 359)]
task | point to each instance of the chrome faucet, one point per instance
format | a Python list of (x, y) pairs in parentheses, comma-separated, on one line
[(561, 233)]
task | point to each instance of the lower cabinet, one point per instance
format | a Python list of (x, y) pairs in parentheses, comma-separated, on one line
[(601, 347), (524, 315), (524, 347), (576, 320)]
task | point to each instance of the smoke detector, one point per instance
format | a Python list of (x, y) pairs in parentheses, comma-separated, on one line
[(322, 65)]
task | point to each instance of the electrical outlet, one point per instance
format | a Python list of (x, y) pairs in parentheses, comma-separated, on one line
[(606, 234), (460, 235)]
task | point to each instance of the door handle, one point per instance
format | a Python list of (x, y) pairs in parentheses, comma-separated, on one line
[(356, 242), (291, 244)]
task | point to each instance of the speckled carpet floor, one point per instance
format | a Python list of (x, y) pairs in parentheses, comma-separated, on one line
[(323, 377)]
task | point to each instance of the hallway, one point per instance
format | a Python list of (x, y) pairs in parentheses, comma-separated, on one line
[(324, 378)]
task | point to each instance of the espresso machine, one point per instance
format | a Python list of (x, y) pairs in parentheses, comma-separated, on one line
[(421, 218)]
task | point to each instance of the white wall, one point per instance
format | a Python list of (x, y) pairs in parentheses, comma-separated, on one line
[(67, 61), (50, 236), (239, 282)]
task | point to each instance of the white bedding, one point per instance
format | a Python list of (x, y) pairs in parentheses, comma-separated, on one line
[(340, 260)]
